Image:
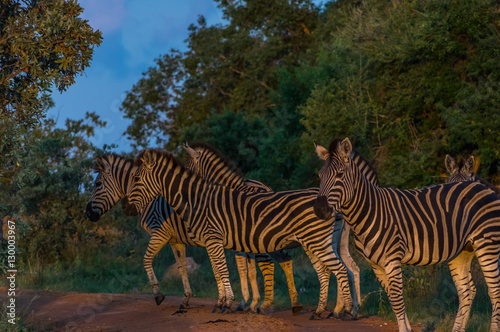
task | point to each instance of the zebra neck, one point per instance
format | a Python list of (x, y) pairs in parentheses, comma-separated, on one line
[(359, 207), (184, 191), (225, 177), (124, 174)]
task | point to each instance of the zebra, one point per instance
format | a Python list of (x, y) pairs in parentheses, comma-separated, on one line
[(211, 165), (444, 222), (223, 217), (158, 218), (165, 226)]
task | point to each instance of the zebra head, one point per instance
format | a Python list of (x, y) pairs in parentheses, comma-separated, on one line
[(146, 183), (107, 188), (213, 166), (192, 163), (336, 178), (464, 171)]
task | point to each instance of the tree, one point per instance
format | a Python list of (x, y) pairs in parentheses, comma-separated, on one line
[(225, 132), (42, 43), (226, 67), (419, 83), (54, 193)]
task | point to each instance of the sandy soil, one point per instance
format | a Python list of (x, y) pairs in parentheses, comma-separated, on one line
[(129, 312)]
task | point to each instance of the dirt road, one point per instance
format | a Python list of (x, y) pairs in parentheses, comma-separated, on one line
[(128, 312)]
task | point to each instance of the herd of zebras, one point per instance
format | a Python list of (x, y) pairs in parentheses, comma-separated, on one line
[(206, 202)]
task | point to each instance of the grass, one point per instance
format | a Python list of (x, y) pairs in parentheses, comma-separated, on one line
[(20, 321)]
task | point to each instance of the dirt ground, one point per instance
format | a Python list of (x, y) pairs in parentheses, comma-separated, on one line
[(129, 312)]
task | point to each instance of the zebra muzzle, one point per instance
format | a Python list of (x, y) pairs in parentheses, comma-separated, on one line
[(91, 214), (321, 208)]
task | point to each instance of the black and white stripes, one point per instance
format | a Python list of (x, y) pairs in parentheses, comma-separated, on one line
[(445, 222), (222, 217)]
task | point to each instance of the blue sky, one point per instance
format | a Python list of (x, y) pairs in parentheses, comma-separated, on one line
[(135, 33)]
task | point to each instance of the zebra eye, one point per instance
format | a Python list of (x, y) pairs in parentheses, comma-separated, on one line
[(340, 175), (137, 178), (98, 183)]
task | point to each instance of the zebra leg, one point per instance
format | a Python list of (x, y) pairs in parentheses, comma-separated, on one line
[(286, 264), (241, 263), (324, 281), (215, 251), (489, 260), (179, 251), (220, 289), (339, 305), (460, 272), (351, 266), (391, 279), (267, 269), (252, 275), (331, 260), (156, 242), (337, 236), (292, 290)]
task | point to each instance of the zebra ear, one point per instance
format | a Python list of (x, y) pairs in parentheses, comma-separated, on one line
[(102, 165), (345, 149), (469, 165), (321, 151), (450, 164), (192, 153)]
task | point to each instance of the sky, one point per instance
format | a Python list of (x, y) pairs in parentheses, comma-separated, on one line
[(135, 33)]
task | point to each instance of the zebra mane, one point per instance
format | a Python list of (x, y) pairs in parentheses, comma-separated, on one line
[(332, 149), (231, 167), (461, 163), (160, 153), (111, 158), (356, 157)]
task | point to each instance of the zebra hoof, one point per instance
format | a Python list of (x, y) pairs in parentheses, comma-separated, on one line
[(333, 314), (226, 310), (263, 311), (347, 316), (216, 308), (159, 298), (184, 306), (239, 308), (296, 308), (315, 316)]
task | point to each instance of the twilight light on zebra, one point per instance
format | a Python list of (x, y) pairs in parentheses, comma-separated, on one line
[(222, 217), (441, 223)]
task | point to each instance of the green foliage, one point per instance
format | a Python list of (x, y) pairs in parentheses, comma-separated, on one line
[(42, 43), (224, 131), (52, 198), (415, 80)]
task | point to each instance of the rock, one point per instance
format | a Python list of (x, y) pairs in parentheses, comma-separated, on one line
[(173, 270)]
